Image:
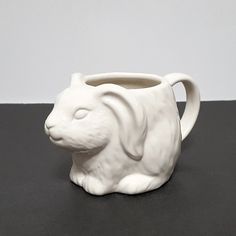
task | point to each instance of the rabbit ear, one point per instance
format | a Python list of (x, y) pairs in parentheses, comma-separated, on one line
[(130, 116), (76, 79)]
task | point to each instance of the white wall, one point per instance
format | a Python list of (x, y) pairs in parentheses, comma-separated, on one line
[(42, 42)]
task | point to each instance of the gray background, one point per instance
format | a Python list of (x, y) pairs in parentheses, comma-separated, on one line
[(43, 42)]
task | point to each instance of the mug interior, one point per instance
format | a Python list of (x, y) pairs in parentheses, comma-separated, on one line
[(128, 83)]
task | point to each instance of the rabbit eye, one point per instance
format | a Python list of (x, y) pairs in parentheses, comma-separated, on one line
[(81, 113)]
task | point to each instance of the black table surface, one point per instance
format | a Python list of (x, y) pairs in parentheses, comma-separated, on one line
[(37, 197)]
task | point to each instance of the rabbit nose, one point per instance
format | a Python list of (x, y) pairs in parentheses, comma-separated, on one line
[(53, 121), (48, 126), (49, 123)]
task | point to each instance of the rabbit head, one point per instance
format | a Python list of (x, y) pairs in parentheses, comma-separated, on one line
[(83, 119), (76, 121)]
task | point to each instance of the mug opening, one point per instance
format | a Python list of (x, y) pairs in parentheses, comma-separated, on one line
[(126, 82)]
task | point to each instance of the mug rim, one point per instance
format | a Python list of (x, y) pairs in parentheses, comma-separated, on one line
[(151, 78)]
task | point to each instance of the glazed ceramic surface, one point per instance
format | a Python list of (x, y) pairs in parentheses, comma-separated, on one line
[(123, 129)]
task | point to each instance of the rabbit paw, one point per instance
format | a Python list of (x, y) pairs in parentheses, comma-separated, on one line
[(94, 186), (76, 176), (89, 183)]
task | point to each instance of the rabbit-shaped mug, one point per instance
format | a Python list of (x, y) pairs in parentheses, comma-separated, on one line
[(123, 129)]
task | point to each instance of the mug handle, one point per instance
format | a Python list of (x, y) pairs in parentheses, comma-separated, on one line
[(192, 104)]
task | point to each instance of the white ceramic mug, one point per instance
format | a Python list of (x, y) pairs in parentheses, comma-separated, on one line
[(123, 129)]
